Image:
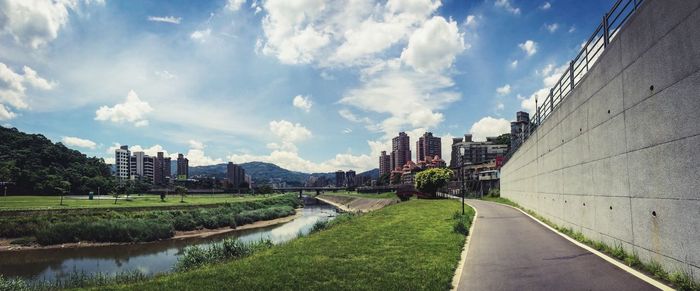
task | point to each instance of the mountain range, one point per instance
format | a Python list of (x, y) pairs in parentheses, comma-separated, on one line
[(262, 172)]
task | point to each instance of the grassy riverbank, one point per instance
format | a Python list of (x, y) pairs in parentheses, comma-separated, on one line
[(104, 201), (99, 225), (407, 246)]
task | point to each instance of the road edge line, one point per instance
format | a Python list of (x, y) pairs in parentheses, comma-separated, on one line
[(463, 258), (605, 257)]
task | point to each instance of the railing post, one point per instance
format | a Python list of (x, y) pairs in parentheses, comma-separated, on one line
[(606, 35), (551, 100), (571, 74)]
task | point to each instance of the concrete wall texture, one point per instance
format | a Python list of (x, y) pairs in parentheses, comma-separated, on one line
[(618, 159)]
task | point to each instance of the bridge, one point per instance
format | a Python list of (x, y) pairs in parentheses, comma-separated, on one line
[(614, 153), (319, 190)]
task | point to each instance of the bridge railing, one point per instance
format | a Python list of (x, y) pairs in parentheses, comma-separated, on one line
[(589, 54)]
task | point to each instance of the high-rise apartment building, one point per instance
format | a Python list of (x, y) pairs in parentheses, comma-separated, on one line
[(142, 167), (384, 164), (122, 162), (339, 178), (350, 179), (427, 147), (161, 169), (519, 129), (183, 167), (400, 150), (235, 174)]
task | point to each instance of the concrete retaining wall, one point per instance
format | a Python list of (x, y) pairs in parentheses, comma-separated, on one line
[(619, 158)]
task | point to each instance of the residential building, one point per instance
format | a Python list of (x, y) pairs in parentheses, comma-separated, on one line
[(142, 167), (122, 167), (475, 152), (384, 164), (183, 167), (339, 178), (350, 179), (235, 174), (400, 150), (519, 129), (428, 146), (161, 169)]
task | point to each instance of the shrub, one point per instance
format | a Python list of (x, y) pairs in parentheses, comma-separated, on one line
[(319, 226), (120, 230), (12, 284), (231, 248), (462, 223), (494, 192)]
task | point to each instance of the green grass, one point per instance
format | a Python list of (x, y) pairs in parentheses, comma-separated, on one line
[(383, 195), (406, 246), (146, 200), (681, 280)]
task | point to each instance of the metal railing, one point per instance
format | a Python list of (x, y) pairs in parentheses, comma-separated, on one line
[(606, 31)]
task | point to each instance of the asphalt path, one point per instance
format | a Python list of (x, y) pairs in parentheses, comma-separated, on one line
[(510, 251)]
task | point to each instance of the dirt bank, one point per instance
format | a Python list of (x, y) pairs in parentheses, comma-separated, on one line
[(355, 204)]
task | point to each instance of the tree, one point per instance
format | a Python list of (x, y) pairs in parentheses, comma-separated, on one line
[(383, 179), (264, 189), (503, 139), (62, 187), (182, 191), (430, 180), (395, 178)]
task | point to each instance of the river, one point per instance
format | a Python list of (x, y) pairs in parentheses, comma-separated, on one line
[(148, 258)]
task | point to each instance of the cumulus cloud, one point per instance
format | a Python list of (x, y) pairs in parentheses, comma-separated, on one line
[(551, 27), (35, 23), (514, 64), (132, 110), (302, 102), (234, 5), (13, 88), (550, 75), (290, 132), (489, 127), (166, 19), (201, 35), (505, 90), (196, 155), (434, 46), (546, 6), (78, 142), (290, 159), (529, 47), (470, 21), (505, 4)]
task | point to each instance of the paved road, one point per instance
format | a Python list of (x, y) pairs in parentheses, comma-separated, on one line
[(510, 251)]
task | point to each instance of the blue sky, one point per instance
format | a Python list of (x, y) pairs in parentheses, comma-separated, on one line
[(310, 85)]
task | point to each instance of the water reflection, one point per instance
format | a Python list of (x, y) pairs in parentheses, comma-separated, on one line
[(150, 258)]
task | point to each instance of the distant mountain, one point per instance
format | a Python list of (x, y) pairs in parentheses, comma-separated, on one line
[(262, 172)]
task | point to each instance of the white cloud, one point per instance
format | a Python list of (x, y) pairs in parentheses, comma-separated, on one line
[(514, 64), (348, 115), (505, 90), (109, 160), (196, 144), (34, 23), (234, 5), (166, 19), (6, 114), (13, 88), (489, 127), (165, 75), (133, 110), (196, 157), (546, 6), (505, 4), (551, 27), (201, 35), (470, 21), (529, 47), (347, 131), (500, 106), (327, 76), (78, 142), (572, 29), (434, 46), (288, 131), (550, 75), (302, 102)]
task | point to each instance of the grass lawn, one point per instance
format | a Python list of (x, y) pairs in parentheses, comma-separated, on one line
[(406, 246), (384, 195), (146, 200)]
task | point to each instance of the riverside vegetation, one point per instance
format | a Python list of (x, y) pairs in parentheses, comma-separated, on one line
[(139, 226), (409, 246)]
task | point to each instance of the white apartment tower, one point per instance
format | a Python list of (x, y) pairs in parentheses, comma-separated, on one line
[(122, 162)]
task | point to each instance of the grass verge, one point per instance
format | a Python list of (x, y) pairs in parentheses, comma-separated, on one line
[(679, 279), (406, 246)]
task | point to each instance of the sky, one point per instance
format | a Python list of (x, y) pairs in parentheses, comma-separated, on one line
[(310, 85)]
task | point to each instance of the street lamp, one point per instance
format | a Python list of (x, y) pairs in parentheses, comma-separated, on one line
[(462, 151)]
